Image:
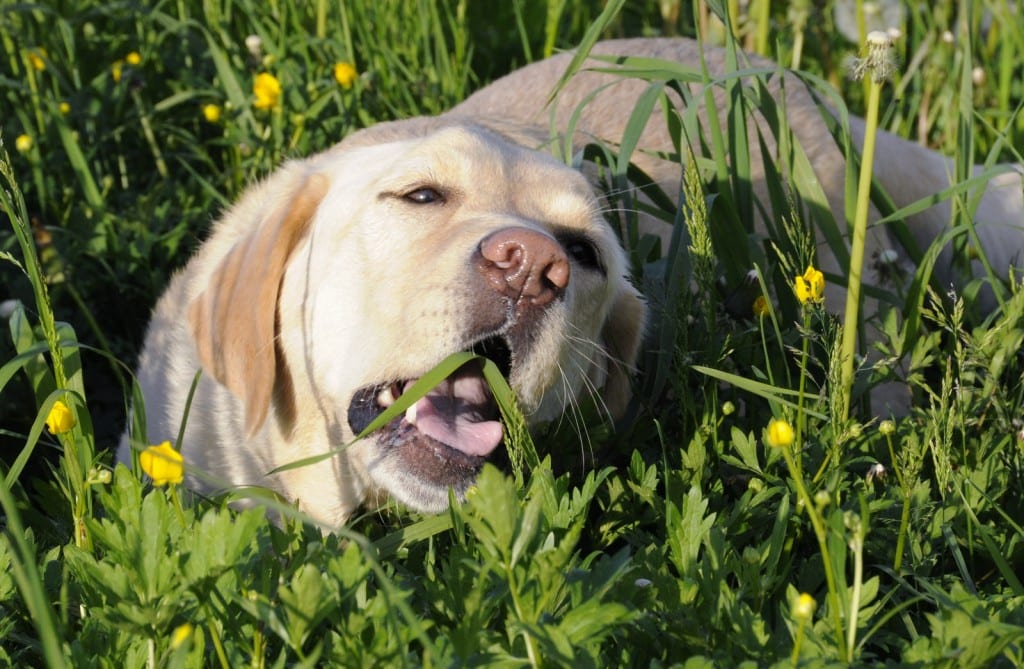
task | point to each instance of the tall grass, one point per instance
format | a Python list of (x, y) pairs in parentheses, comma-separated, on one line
[(700, 531)]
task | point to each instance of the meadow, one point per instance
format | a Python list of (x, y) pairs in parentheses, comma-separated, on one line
[(752, 510)]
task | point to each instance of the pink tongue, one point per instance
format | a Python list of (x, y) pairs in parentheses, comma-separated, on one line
[(453, 413)]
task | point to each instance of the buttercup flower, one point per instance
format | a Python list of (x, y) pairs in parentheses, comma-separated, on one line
[(211, 113), (810, 287), (24, 143), (64, 108), (803, 607), (133, 58), (115, 70), (345, 74), (163, 464), (180, 635), (761, 307), (60, 419), (37, 59), (267, 90), (780, 433)]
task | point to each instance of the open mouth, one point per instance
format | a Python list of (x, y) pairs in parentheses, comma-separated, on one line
[(446, 435)]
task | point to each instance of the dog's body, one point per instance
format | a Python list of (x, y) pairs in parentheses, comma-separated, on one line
[(341, 279)]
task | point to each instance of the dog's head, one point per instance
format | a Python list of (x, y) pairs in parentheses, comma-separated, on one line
[(408, 242)]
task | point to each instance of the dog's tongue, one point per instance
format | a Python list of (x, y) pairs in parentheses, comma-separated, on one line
[(455, 414)]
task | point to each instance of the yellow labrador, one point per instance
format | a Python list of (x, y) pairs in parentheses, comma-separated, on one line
[(332, 286), (337, 282)]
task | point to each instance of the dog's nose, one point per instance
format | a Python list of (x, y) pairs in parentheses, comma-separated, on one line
[(524, 264)]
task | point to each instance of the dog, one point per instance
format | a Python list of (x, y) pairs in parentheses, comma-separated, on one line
[(336, 283)]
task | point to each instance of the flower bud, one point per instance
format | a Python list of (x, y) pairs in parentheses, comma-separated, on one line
[(803, 607)]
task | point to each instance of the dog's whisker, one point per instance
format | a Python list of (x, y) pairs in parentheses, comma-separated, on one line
[(574, 413)]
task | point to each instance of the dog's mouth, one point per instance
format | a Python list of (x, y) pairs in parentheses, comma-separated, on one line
[(444, 437)]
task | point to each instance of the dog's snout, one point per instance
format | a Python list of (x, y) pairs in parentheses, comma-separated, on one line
[(524, 264)]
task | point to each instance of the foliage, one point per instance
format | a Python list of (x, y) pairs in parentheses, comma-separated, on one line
[(694, 534)]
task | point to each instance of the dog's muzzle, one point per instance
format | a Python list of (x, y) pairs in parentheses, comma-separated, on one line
[(444, 438)]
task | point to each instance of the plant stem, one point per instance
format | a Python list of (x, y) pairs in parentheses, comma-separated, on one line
[(763, 23), (217, 645), (857, 544), (147, 131), (819, 533), (795, 656), (860, 227), (803, 381), (902, 534)]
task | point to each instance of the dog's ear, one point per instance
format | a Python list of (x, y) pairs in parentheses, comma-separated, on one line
[(622, 334), (234, 321)]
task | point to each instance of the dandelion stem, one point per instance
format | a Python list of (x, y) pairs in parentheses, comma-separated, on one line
[(860, 226), (857, 545)]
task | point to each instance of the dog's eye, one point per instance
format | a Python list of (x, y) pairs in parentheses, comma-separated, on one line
[(424, 195), (583, 252)]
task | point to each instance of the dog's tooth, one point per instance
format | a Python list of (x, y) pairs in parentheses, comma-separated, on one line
[(385, 398), (410, 414)]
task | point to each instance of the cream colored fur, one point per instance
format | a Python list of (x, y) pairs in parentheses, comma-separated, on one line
[(325, 279)]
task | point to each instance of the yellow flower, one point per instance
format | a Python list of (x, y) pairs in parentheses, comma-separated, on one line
[(780, 433), (37, 59), (163, 464), (211, 113), (180, 635), (803, 607), (60, 419), (65, 108), (345, 74), (267, 90), (810, 287), (115, 70), (24, 143), (133, 58), (761, 307)]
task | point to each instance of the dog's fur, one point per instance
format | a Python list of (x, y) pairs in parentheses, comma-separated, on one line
[(343, 277)]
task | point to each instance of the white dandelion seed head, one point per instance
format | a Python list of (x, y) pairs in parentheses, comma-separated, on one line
[(879, 38), (254, 44), (876, 471)]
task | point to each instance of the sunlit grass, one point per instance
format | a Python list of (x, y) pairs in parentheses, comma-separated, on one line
[(747, 510)]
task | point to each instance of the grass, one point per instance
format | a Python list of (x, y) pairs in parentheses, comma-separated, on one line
[(694, 533)]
